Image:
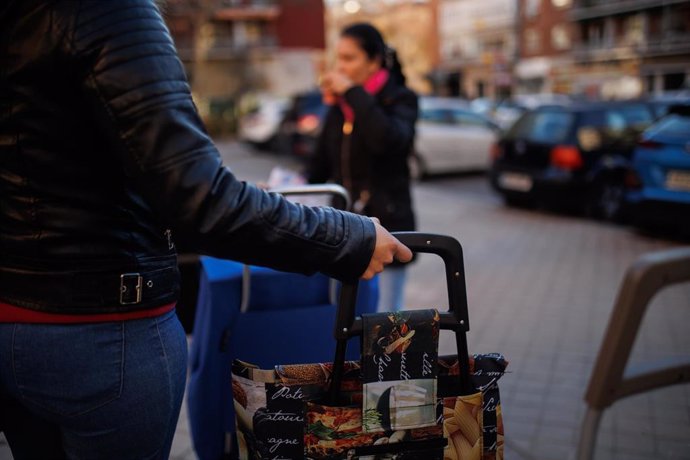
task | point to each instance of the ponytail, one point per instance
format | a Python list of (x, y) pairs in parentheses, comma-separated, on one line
[(392, 64)]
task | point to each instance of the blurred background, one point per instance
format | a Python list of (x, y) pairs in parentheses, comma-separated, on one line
[(550, 98), (553, 142), (486, 51)]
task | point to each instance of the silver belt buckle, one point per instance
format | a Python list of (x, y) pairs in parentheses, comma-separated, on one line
[(124, 287)]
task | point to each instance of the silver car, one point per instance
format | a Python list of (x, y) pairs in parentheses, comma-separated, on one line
[(451, 138)]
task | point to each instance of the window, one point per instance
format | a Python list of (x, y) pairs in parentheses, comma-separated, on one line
[(674, 81), (609, 35), (532, 8), (619, 118), (636, 115), (618, 126), (532, 41), (634, 27), (594, 33), (615, 121), (549, 127), (481, 87), (560, 39)]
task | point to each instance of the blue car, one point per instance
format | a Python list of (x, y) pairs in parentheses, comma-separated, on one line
[(659, 187)]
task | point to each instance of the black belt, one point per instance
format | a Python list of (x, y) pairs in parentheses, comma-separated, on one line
[(89, 292)]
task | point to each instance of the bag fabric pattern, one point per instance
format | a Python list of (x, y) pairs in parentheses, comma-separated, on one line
[(399, 370), (281, 415)]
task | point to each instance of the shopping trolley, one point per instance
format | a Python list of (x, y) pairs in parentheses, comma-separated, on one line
[(257, 314)]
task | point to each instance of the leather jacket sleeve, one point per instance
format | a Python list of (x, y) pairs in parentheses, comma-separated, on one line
[(387, 131), (134, 83)]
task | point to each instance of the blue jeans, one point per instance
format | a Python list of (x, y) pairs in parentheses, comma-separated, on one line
[(92, 391)]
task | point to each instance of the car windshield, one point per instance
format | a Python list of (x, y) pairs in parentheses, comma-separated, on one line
[(548, 127), (672, 127)]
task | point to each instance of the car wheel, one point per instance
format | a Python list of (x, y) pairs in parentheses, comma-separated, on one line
[(418, 170), (607, 198)]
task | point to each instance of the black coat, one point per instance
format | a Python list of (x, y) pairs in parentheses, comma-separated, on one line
[(104, 159), (372, 161)]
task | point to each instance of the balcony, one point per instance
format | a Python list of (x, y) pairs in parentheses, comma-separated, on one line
[(591, 9), (602, 53), (224, 9), (225, 48), (255, 11), (669, 45)]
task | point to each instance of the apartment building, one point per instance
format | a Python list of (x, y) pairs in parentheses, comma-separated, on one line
[(545, 39), (234, 46), (627, 48), (478, 46)]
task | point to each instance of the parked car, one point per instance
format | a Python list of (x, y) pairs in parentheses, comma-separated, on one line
[(302, 124), (664, 101), (260, 125), (571, 156), (451, 137), (659, 189), (483, 106)]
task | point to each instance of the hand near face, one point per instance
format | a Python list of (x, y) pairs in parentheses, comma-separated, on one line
[(336, 83)]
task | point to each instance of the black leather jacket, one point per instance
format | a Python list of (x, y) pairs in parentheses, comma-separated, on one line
[(103, 158)]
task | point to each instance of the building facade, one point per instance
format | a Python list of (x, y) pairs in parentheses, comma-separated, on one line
[(628, 48), (478, 47), (545, 39), (230, 47)]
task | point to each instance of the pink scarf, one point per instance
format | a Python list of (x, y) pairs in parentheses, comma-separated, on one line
[(372, 86)]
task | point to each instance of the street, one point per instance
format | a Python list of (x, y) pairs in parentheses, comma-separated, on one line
[(540, 289)]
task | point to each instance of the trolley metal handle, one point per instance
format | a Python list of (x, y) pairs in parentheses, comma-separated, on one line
[(336, 191), (456, 319)]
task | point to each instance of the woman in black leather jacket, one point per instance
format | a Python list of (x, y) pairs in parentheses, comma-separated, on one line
[(367, 137), (104, 163)]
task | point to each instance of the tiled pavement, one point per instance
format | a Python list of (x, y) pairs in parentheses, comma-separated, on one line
[(540, 289)]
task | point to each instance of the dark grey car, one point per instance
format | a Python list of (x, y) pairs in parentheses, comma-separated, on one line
[(570, 156)]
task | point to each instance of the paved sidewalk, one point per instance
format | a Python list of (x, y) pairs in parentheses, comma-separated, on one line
[(540, 288)]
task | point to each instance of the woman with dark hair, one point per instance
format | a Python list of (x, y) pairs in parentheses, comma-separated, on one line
[(367, 137)]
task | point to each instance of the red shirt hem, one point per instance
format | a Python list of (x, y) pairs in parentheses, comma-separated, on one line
[(13, 314)]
